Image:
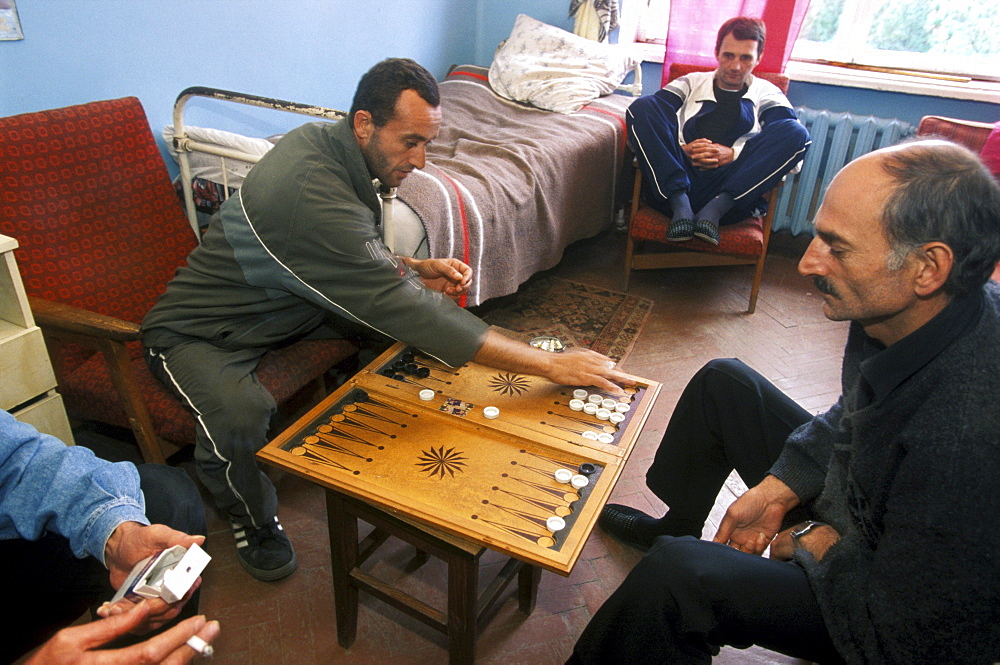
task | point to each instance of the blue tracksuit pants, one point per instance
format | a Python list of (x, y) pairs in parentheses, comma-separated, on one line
[(764, 160)]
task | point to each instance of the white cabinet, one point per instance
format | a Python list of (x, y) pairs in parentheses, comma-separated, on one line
[(27, 382)]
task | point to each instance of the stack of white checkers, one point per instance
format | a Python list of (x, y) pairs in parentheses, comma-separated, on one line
[(592, 404), (601, 407), (578, 481)]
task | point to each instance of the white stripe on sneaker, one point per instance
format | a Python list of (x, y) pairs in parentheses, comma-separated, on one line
[(240, 534)]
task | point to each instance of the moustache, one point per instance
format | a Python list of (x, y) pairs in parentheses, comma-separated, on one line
[(823, 285)]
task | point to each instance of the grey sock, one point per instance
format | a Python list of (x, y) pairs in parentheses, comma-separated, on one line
[(716, 208), (680, 205)]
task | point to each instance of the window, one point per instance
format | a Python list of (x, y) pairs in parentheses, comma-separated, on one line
[(654, 18), (951, 36), (644, 23)]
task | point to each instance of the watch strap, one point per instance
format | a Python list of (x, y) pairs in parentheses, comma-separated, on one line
[(803, 529)]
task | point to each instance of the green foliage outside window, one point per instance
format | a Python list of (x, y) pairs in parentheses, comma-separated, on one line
[(821, 21), (951, 27)]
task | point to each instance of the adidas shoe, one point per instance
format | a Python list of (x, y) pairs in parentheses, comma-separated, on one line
[(265, 552)]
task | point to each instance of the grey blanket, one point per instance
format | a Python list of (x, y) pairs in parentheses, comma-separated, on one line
[(507, 187)]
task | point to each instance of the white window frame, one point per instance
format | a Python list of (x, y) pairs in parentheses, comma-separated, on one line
[(811, 68), (847, 62), (849, 46)]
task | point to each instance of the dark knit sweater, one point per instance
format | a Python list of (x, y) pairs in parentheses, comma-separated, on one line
[(906, 467)]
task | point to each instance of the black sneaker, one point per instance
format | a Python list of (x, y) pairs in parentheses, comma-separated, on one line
[(265, 553)]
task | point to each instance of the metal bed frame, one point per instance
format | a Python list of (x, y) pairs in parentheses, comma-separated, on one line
[(635, 87), (183, 144)]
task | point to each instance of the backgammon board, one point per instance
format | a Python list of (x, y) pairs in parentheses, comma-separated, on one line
[(511, 461)]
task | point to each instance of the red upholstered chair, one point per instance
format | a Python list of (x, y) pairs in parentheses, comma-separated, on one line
[(969, 133), (85, 192), (744, 243)]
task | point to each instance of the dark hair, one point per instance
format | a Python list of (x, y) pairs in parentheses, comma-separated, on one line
[(944, 193), (380, 88), (743, 27)]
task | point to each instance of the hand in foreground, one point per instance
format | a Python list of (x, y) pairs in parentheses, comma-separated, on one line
[(706, 155), (816, 542), (753, 519), (449, 276), (160, 612), (80, 644), (129, 544)]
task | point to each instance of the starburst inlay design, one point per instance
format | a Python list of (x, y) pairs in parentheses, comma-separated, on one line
[(441, 462), (510, 384)]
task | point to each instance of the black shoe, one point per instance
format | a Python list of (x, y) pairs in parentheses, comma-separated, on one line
[(629, 525), (265, 552), (707, 230)]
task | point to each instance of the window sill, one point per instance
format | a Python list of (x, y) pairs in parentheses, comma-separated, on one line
[(810, 72), (649, 51)]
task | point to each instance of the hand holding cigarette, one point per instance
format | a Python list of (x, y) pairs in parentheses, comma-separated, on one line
[(78, 644)]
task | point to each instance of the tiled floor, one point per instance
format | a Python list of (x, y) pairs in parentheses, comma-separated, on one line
[(698, 315)]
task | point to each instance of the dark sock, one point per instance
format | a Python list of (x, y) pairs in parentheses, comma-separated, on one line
[(681, 206), (669, 525), (716, 208), (649, 528)]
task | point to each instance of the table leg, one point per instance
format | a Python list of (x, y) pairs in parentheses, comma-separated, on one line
[(527, 587), (463, 609), (344, 555)]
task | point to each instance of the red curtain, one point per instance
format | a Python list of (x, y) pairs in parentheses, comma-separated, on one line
[(695, 23)]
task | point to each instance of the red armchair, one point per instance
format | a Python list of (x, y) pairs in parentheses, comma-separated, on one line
[(86, 193), (744, 243), (969, 133)]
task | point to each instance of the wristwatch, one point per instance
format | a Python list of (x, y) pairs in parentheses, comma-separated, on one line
[(803, 529)]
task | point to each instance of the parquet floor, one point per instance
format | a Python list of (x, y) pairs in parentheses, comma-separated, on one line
[(698, 315)]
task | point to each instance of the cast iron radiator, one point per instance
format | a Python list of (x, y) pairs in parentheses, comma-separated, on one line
[(837, 138)]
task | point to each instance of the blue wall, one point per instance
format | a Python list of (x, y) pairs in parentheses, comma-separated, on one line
[(496, 18), (310, 51), (888, 104)]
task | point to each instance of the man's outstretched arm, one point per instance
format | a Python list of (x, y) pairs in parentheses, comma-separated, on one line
[(572, 367)]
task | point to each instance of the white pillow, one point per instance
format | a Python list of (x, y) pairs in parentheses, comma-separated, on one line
[(212, 167), (556, 70)]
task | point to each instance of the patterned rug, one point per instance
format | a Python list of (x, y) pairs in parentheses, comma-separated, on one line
[(578, 314)]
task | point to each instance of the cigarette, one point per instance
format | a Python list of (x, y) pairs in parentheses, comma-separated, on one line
[(201, 646)]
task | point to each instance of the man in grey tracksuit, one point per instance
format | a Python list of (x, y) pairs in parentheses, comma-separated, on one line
[(296, 254)]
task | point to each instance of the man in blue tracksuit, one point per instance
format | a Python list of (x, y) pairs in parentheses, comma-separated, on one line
[(711, 144)]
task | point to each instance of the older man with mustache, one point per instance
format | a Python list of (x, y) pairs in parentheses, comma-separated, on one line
[(878, 513)]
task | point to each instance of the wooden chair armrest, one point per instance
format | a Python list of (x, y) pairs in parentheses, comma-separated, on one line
[(68, 320), (107, 335)]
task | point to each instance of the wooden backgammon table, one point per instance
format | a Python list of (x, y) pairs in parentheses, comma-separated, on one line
[(471, 455)]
